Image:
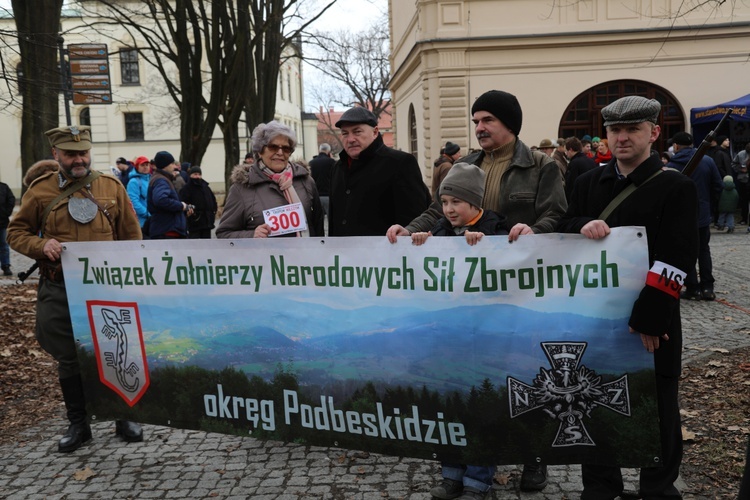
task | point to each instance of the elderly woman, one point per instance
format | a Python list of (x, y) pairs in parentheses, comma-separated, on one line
[(271, 181)]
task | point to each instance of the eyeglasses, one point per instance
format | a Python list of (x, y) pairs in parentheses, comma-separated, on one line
[(274, 148)]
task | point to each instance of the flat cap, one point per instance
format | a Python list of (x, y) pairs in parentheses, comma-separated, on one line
[(683, 139), (70, 138), (358, 114), (631, 109)]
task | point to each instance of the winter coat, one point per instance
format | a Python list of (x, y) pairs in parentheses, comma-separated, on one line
[(531, 192), (138, 193), (730, 198), (490, 224), (7, 202), (707, 179), (321, 168), (442, 167), (165, 207), (252, 191), (381, 188), (579, 164), (197, 193), (667, 207)]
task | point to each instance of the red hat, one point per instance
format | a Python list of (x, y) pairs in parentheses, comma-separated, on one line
[(141, 159)]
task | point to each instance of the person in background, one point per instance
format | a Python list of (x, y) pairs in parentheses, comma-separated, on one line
[(560, 157), (177, 178), (547, 147), (7, 203), (728, 202), (271, 181), (168, 213), (666, 156), (40, 234), (586, 148), (603, 154), (249, 159), (708, 181), (451, 153), (578, 164), (126, 168), (138, 188), (321, 167), (198, 194), (372, 186), (665, 202)]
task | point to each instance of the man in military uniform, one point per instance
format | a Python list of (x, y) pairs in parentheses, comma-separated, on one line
[(71, 204)]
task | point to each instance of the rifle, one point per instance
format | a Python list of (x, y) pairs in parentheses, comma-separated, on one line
[(700, 152)]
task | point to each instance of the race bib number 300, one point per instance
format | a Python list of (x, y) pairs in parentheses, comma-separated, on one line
[(286, 219)]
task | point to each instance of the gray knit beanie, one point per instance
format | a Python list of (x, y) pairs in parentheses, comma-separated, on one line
[(465, 182)]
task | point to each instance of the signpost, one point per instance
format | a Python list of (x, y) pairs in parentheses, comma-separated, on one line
[(89, 73)]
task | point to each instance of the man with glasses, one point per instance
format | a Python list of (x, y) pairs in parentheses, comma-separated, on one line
[(372, 186)]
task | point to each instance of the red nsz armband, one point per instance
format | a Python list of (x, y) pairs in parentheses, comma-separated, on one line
[(666, 278)]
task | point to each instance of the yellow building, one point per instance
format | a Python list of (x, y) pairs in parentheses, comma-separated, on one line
[(563, 59)]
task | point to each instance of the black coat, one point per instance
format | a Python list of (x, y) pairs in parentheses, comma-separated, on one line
[(381, 188), (667, 206), (7, 202), (196, 192), (321, 168), (578, 165)]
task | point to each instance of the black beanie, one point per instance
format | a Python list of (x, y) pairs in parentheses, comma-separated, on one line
[(503, 106), (465, 182)]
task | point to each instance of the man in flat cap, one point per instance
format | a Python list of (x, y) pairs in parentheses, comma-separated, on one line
[(666, 203), (72, 203), (372, 185), (527, 188)]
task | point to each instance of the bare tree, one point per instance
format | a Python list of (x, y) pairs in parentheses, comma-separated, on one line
[(38, 25), (359, 61)]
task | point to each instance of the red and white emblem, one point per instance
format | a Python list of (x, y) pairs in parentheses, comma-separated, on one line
[(120, 351)]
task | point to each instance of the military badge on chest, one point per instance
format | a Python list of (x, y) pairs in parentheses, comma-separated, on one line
[(82, 210)]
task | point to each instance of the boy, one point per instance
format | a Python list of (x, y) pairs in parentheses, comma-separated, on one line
[(727, 205), (461, 195)]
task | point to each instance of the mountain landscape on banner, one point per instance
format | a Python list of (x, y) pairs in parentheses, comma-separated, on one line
[(404, 345)]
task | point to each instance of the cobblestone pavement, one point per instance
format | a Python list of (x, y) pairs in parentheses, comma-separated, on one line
[(174, 463)]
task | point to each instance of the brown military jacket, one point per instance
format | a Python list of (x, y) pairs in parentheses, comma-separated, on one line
[(24, 228)]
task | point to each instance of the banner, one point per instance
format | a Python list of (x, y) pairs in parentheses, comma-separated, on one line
[(499, 353)]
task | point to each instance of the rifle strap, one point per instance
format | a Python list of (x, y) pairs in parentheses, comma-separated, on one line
[(79, 184), (621, 197)]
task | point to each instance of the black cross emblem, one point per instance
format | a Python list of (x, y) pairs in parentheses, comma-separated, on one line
[(568, 392)]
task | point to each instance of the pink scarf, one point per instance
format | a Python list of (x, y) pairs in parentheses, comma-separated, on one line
[(285, 177)]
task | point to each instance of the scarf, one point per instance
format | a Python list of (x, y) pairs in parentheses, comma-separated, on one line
[(290, 193)]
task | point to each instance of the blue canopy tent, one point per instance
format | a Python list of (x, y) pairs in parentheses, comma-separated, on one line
[(704, 120)]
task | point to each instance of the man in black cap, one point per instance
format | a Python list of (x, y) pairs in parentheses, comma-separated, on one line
[(372, 186), (709, 184), (168, 213), (666, 203), (523, 185), (450, 153), (85, 206)]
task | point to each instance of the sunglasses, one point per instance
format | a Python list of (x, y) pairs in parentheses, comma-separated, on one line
[(274, 148)]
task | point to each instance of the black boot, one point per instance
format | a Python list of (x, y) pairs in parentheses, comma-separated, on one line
[(75, 402), (129, 431)]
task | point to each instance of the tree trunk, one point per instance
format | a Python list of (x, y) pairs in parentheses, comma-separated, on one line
[(38, 25)]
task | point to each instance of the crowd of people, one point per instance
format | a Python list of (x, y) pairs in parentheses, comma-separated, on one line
[(571, 185)]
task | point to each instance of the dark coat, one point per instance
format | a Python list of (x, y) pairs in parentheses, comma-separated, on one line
[(7, 202), (321, 168), (707, 180), (667, 206), (491, 223), (165, 207), (579, 164), (197, 193), (381, 188), (723, 161)]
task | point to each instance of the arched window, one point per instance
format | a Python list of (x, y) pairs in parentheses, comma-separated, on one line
[(584, 114), (413, 132), (84, 117)]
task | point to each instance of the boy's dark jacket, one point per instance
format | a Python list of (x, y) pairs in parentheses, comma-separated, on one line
[(491, 223)]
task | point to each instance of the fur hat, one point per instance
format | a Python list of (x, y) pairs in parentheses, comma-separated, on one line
[(466, 182), (38, 169), (163, 159), (503, 106)]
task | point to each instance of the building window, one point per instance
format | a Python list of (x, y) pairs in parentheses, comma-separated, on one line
[(413, 131), (129, 67), (584, 114), (133, 126), (84, 117)]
